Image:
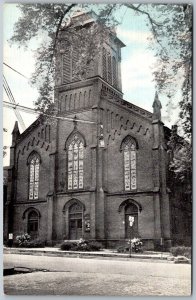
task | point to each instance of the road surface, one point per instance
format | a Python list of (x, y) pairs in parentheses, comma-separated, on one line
[(92, 276)]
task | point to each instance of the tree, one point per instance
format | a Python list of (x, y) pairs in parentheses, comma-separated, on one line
[(171, 27)]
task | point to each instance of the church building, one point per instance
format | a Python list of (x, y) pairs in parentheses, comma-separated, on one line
[(97, 171)]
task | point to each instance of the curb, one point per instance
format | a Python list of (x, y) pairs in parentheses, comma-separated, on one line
[(60, 253)]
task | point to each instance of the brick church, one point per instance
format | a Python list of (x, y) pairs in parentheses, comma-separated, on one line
[(99, 163)]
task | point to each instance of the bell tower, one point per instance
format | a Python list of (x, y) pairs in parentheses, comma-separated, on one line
[(105, 67)]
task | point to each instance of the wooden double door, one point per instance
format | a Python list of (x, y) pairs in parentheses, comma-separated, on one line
[(75, 222), (131, 231), (131, 211)]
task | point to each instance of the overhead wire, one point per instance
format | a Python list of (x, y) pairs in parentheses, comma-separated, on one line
[(33, 111), (15, 70), (12, 104), (12, 100)]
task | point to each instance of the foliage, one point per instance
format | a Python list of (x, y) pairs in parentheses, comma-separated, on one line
[(81, 245), (24, 241), (68, 245), (135, 243), (181, 165), (47, 21), (170, 24), (171, 41), (181, 251), (180, 150)]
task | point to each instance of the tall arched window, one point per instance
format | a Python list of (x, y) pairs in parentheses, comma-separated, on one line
[(129, 154), (75, 163), (34, 164)]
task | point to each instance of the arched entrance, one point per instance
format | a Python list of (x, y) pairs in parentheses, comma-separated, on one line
[(75, 221), (33, 224), (131, 210)]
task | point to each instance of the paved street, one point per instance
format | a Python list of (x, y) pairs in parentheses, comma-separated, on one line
[(91, 276)]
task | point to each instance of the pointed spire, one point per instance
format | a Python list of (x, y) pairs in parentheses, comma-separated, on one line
[(156, 107), (15, 133), (16, 129)]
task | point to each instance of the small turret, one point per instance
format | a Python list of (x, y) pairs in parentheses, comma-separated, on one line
[(15, 133), (156, 108)]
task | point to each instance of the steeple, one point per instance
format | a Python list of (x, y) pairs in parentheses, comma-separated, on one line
[(15, 133), (106, 62), (156, 107)]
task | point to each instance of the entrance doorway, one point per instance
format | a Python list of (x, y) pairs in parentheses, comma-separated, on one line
[(33, 224), (75, 222), (131, 210)]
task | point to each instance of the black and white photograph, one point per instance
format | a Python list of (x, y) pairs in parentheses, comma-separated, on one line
[(97, 148)]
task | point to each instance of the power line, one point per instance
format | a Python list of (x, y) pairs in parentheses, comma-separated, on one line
[(12, 100), (33, 111), (15, 70)]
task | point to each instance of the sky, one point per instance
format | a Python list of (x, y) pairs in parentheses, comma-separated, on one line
[(136, 68)]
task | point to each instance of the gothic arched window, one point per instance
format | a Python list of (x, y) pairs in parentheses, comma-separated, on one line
[(129, 155), (34, 164), (75, 163)]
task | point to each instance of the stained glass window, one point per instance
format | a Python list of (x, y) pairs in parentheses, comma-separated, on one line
[(34, 177), (75, 163), (129, 152)]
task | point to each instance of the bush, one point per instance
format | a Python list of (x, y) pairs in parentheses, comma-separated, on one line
[(68, 246), (181, 251), (136, 246), (95, 246), (24, 241), (36, 244), (81, 245)]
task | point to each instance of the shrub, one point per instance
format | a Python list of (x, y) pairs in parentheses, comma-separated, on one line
[(181, 251), (136, 244), (24, 241), (81, 245), (68, 246), (37, 243), (95, 246)]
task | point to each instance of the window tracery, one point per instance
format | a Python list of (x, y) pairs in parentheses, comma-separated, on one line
[(129, 153), (34, 167), (75, 163)]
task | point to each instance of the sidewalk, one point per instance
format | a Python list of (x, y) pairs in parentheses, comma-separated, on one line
[(50, 251)]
